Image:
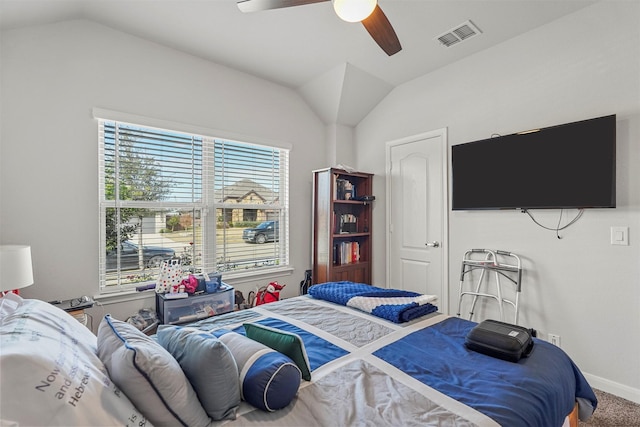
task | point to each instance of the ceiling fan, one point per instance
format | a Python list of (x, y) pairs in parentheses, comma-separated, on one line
[(366, 11)]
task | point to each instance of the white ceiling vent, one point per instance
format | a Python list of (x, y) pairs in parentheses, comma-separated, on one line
[(461, 32)]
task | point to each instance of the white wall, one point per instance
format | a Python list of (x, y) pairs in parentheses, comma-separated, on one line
[(51, 78), (582, 66)]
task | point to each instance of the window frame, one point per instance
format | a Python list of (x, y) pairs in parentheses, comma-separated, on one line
[(208, 205)]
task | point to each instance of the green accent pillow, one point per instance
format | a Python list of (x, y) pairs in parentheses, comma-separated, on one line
[(287, 343)]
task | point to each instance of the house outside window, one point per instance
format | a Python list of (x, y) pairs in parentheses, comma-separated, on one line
[(166, 194)]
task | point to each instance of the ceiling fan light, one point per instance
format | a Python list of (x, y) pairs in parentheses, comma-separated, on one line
[(354, 10)]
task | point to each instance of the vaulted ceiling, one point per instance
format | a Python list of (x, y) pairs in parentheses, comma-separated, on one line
[(334, 65)]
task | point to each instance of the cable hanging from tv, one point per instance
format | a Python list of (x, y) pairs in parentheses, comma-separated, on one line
[(557, 229)]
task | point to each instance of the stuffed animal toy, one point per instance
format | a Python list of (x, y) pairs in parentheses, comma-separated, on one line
[(269, 293)]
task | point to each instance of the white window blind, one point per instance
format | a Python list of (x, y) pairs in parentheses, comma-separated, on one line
[(251, 189), (167, 194)]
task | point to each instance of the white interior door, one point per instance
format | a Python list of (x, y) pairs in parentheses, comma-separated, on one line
[(417, 215)]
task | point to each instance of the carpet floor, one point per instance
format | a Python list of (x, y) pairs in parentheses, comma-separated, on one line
[(613, 411)]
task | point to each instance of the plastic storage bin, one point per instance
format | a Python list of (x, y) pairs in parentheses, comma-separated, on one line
[(194, 307)]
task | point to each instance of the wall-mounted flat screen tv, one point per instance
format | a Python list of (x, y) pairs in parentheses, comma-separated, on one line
[(566, 166)]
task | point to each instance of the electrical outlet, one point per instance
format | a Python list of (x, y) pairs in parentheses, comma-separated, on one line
[(554, 339)]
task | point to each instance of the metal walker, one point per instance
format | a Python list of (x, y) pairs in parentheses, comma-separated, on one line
[(501, 263)]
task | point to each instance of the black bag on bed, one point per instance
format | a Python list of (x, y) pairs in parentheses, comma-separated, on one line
[(499, 339)]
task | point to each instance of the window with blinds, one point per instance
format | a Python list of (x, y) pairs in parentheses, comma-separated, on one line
[(214, 204)]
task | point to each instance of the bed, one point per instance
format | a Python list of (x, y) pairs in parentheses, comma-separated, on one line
[(362, 368)]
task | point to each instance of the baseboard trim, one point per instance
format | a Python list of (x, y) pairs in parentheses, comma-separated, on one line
[(620, 390)]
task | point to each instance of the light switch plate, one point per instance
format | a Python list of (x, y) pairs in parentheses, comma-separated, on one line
[(620, 236)]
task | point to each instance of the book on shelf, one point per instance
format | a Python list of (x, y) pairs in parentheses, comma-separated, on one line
[(346, 253), (347, 223)]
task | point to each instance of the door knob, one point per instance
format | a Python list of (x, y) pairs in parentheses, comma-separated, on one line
[(433, 244)]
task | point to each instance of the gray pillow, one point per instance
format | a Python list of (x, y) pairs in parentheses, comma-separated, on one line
[(148, 375), (208, 365)]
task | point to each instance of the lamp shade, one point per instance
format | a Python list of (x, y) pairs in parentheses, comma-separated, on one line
[(15, 267), (354, 10)]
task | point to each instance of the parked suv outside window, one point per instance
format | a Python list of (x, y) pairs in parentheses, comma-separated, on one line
[(267, 231)]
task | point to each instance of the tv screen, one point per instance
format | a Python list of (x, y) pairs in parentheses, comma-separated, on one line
[(567, 166)]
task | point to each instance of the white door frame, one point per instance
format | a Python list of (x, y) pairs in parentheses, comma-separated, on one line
[(443, 303)]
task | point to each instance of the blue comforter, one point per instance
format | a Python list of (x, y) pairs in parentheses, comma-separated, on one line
[(536, 391), (395, 305)]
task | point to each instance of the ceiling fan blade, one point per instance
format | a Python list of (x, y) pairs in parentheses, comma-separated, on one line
[(382, 32), (258, 5)]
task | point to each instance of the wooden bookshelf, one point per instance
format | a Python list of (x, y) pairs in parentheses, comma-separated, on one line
[(341, 248)]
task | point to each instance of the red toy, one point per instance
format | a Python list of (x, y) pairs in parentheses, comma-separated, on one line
[(269, 293)]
